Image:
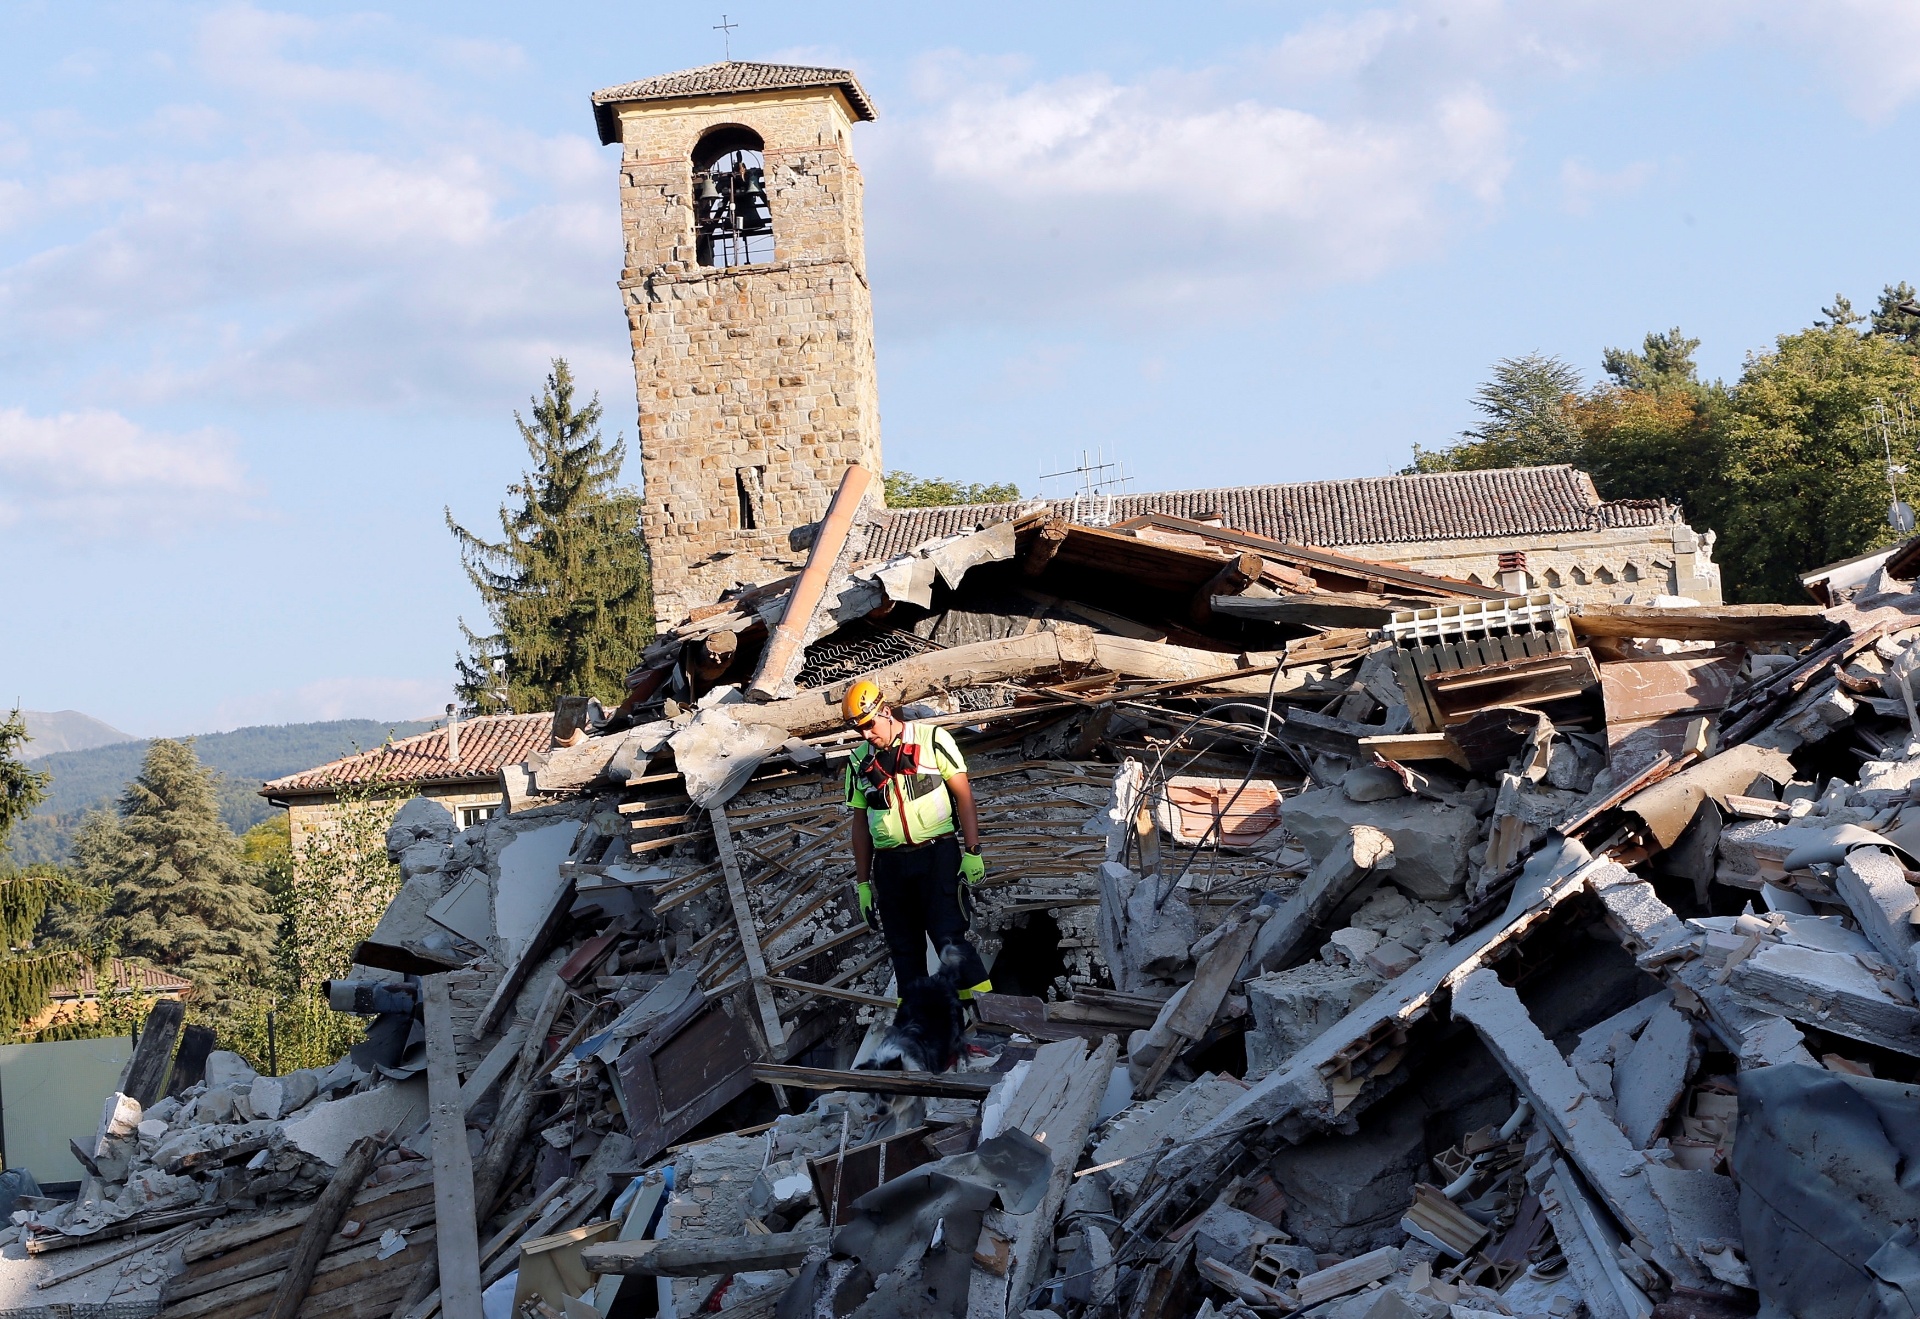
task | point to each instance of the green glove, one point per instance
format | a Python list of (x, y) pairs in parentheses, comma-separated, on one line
[(972, 868), (868, 912)]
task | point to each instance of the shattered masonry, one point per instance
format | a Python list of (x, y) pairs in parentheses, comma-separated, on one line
[(1357, 953)]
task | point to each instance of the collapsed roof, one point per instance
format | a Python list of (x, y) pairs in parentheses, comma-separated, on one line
[(1364, 943)]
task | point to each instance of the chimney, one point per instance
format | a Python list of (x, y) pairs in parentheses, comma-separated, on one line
[(453, 735), (1513, 571)]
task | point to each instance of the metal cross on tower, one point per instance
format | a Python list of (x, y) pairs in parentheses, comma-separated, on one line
[(725, 29)]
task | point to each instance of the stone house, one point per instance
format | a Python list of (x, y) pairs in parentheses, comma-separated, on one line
[(457, 766), (1524, 528)]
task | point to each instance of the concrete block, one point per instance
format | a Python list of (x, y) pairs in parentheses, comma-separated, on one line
[(420, 820), (1390, 959), (1292, 1008), (1231, 1235), (1874, 885), (1159, 935), (1365, 783), (1430, 841), (326, 1130), (228, 1071), (1345, 869)]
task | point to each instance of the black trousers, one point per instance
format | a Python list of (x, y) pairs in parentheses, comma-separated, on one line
[(917, 890)]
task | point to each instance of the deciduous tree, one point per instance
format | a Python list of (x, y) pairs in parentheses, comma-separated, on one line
[(905, 490)]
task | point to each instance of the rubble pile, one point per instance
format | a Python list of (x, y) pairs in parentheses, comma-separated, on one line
[(1364, 945)]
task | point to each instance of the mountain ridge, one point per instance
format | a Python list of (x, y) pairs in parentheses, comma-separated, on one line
[(93, 778)]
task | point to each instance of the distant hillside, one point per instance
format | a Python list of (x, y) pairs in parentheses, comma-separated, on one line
[(66, 730), (246, 758)]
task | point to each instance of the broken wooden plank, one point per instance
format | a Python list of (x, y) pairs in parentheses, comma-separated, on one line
[(1415, 746), (1347, 1276), (694, 1258), (1702, 622), (326, 1213), (785, 649), (147, 1069), (457, 1235), (949, 1085), (1234, 577), (775, 1033), (1046, 545), (492, 1067)]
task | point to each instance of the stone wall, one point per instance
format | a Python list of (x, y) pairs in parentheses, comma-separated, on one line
[(1612, 565), (755, 383)]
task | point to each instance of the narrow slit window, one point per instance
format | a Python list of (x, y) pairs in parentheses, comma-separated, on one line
[(752, 497)]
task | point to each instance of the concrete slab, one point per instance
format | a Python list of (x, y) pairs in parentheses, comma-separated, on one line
[(326, 1130), (1648, 1081), (528, 883)]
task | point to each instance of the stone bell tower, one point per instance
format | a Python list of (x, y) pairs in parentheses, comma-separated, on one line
[(745, 284)]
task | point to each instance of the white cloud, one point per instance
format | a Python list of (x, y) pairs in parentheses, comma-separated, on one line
[(98, 473), (1581, 185), (1085, 193), (336, 698)]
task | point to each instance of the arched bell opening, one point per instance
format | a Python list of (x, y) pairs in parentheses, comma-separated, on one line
[(733, 223)]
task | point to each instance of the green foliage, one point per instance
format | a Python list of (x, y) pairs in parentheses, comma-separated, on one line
[(306, 1032), (268, 847), (339, 887), (1664, 365), (1528, 408), (245, 758), (566, 586), (905, 490), (327, 901), (20, 788), (1806, 461), (27, 975), (172, 883), (1892, 320)]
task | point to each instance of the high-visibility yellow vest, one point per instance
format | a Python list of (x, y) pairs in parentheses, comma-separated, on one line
[(903, 789)]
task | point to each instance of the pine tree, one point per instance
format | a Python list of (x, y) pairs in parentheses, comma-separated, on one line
[(27, 973), (566, 585), (177, 889), (1529, 421)]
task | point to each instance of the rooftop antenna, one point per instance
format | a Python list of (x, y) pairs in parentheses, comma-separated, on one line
[(1099, 479), (725, 29), (1899, 513)]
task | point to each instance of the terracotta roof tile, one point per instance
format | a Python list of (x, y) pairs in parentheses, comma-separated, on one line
[(1374, 510), (486, 744), (727, 78), (121, 976)]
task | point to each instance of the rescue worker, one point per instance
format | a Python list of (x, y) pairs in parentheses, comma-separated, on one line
[(916, 839)]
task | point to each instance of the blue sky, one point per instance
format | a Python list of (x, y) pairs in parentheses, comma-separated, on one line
[(273, 278)]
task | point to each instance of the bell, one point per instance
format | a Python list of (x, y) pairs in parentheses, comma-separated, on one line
[(706, 193)]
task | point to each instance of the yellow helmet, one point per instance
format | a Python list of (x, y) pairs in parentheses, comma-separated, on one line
[(861, 703)]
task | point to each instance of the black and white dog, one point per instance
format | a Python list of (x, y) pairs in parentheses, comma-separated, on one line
[(928, 1027)]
